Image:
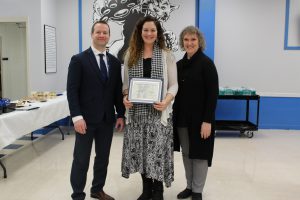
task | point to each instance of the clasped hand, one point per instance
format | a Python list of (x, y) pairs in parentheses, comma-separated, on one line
[(157, 105), (160, 105)]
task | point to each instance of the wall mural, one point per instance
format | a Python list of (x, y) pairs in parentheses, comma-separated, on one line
[(126, 13)]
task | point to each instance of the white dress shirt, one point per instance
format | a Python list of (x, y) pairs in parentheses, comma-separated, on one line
[(96, 53)]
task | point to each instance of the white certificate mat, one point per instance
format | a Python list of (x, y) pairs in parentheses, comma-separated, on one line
[(145, 90)]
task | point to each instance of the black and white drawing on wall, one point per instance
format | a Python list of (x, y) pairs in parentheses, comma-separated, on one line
[(125, 14), (122, 15)]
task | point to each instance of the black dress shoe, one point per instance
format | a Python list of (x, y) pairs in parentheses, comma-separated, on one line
[(196, 196), (101, 196), (184, 194)]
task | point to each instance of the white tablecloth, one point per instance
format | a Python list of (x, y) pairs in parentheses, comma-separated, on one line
[(15, 124)]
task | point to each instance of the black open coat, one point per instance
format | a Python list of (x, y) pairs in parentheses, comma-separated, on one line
[(197, 96)]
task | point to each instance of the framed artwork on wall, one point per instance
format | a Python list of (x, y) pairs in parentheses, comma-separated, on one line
[(50, 49), (292, 25)]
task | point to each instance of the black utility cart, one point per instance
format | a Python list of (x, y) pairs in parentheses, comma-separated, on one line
[(245, 127)]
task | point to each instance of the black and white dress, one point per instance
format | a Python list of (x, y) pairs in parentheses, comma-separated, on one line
[(148, 144)]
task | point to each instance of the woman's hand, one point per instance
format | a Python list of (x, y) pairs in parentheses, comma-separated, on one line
[(127, 103), (160, 105), (205, 130)]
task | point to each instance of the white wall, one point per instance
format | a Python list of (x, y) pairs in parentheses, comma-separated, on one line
[(30, 9), (50, 81), (38, 13), (249, 47), (67, 37)]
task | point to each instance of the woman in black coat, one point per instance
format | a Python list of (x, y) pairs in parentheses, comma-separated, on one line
[(194, 111)]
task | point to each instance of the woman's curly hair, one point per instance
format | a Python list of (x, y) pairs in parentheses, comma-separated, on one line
[(136, 43)]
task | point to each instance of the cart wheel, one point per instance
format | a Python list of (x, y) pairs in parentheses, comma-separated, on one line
[(242, 133), (250, 134)]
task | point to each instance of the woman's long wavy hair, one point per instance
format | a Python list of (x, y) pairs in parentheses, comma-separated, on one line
[(136, 43)]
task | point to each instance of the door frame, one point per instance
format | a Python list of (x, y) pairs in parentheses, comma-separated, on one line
[(1, 67), (26, 21)]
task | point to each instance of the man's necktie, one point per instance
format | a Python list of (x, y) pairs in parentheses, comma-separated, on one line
[(103, 67)]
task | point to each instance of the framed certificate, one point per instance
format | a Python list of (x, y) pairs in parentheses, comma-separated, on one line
[(145, 90)]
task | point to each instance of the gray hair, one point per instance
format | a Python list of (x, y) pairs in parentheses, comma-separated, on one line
[(192, 30)]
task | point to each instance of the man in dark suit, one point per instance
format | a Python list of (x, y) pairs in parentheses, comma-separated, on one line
[(94, 91)]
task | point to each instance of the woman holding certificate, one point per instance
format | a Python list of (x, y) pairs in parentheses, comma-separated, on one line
[(194, 111), (148, 138)]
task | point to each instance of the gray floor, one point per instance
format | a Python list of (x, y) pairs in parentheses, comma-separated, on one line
[(266, 167)]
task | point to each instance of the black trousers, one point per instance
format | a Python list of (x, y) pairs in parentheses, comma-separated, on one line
[(102, 135)]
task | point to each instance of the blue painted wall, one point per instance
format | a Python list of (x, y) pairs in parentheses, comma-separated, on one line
[(275, 112), (280, 113), (205, 20)]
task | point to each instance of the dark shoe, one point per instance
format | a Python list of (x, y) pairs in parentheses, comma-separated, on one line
[(184, 194), (147, 188), (158, 190), (196, 196), (101, 196)]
